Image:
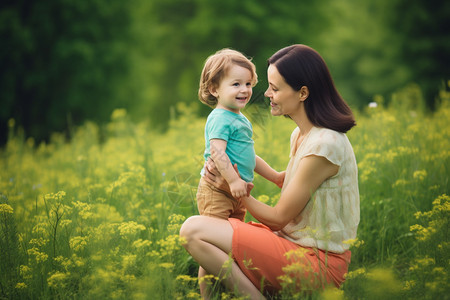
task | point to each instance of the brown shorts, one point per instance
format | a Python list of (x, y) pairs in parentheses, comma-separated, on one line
[(217, 203)]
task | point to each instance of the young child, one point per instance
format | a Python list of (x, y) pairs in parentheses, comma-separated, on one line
[(226, 85)]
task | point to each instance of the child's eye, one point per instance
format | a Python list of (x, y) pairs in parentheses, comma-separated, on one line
[(236, 84), (249, 84)]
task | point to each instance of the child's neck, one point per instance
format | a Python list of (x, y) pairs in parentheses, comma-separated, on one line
[(236, 111)]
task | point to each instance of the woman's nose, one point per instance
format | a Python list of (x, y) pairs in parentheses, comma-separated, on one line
[(266, 93)]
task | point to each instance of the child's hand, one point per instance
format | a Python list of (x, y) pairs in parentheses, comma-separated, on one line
[(250, 186), (279, 180), (238, 188)]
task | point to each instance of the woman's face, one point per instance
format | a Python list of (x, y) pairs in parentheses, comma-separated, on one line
[(284, 100)]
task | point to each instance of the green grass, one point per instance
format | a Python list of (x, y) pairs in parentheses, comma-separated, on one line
[(98, 216)]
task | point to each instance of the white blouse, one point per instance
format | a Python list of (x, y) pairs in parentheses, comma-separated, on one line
[(331, 216)]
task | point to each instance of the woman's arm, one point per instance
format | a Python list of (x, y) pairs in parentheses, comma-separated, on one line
[(311, 172), (266, 171)]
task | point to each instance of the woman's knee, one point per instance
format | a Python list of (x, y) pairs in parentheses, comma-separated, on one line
[(202, 228), (189, 229)]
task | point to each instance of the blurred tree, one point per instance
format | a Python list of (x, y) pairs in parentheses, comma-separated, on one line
[(64, 61), (377, 47), (423, 31), (183, 33), (361, 51), (61, 62)]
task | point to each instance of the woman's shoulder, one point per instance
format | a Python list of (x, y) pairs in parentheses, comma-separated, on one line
[(327, 136), (326, 142)]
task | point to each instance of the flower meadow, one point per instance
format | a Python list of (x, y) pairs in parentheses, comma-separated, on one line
[(97, 215)]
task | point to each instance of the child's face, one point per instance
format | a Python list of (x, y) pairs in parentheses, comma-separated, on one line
[(235, 89)]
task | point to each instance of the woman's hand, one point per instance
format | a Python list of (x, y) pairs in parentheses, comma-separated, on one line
[(213, 177)]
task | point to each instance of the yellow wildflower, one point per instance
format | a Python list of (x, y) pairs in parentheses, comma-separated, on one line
[(66, 263), (248, 264), (431, 285), (263, 198), (25, 272), (354, 242), (439, 271), (77, 261), (332, 293), (426, 261), (409, 284), (175, 222), (385, 278), (400, 183), (38, 256), (170, 244), (58, 196), (355, 273), (83, 209), (65, 223), (130, 228), (166, 265), (5, 208), (40, 229), (21, 286), (193, 295), (128, 278), (140, 243), (207, 278), (350, 241), (420, 175), (118, 114), (296, 267), (39, 242), (186, 278), (295, 254), (78, 243), (58, 279), (128, 260)]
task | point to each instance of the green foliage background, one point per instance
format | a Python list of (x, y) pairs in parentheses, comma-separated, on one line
[(65, 61), (98, 217)]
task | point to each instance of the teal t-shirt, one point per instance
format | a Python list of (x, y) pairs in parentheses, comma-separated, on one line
[(237, 131)]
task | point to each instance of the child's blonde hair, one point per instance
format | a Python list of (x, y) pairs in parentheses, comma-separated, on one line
[(214, 70)]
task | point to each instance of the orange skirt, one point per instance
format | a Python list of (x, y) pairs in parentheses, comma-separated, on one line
[(272, 262)]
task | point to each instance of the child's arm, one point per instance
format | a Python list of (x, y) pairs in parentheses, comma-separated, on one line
[(238, 187), (266, 171)]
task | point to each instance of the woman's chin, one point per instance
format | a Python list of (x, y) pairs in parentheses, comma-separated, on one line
[(275, 112)]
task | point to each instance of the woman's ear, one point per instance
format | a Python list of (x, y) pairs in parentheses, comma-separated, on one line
[(304, 93)]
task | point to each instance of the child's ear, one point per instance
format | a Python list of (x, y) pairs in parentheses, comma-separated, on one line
[(213, 90)]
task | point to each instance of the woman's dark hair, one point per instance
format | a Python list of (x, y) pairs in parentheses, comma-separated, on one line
[(301, 65)]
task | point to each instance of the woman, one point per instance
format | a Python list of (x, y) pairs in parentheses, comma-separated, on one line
[(318, 209)]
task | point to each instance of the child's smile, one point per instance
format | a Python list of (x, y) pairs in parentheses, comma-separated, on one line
[(235, 89)]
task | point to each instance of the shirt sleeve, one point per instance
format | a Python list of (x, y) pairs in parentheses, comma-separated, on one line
[(328, 144), (218, 129)]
